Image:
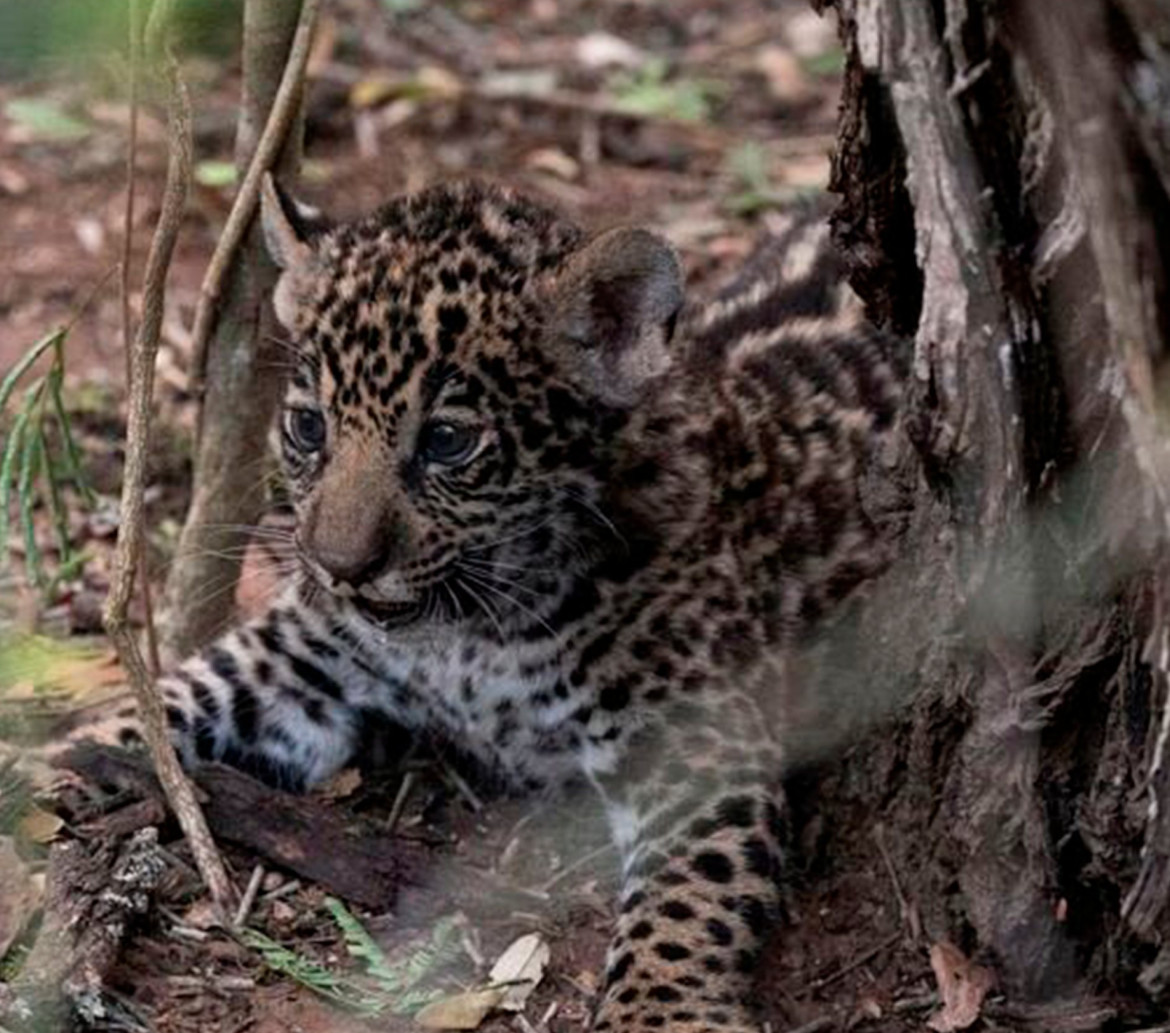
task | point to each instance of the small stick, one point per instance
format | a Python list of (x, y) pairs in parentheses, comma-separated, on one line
[(400, 797), (135, 55), (879, 835), (249, 897), (578, 864), (856, 963), (280, 118), (458, 781), (150, 706), (282, 891)]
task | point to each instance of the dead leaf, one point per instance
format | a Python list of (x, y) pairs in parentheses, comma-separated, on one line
[(345, 783), (605, 50), (91, 235), (962, 985), (202, 915), (39, 826), (787, 81), (461, 1011), (521, 967), (20, 898), (555, 162)]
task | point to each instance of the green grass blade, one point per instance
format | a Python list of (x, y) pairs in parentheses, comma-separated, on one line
[(7, 471), (8, 384), (56, 502), (72, 452), (30, 458)]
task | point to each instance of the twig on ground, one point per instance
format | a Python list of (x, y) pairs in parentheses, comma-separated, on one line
[(249, 898), (280, 119), (918, 1002), (856, 963), (400, 801), (460, 783), (905, 908), (581, 862), (150, 706)]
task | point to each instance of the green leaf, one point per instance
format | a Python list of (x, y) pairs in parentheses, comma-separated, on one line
[(216, 173), (8, 384), (65, 427), (399, 980), (827, 65), (360, 943), (7, 470), (56, 502), (31, 457), (45, 118), (309, 974), (650, 92)]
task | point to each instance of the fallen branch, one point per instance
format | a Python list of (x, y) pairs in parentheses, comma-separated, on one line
[(280, 118), (362, 866), (94, 889), (150, 706)]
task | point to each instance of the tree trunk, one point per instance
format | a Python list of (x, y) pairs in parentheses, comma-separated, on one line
[(1004, 168), (244, 381)]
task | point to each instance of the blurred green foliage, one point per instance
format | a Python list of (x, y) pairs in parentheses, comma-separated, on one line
[(39, 458), (45, 118), (651, 91), (39, 35)]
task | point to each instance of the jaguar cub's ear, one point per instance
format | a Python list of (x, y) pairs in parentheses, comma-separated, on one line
[(615, 308), (288, 226)]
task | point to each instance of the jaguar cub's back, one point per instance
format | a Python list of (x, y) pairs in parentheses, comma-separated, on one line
[(545, 508)]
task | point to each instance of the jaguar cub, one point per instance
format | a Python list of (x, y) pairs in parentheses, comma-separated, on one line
[(576, 526)]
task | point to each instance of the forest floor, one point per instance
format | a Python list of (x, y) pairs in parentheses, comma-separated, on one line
[(695, 118)]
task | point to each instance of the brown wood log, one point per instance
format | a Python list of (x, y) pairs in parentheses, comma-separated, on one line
[(302, 834), (95, 888)]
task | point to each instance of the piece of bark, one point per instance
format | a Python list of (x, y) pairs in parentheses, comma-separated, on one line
[(94, 889), (303, 834)]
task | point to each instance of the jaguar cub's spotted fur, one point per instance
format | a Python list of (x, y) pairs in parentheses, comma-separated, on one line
[(545, 509)]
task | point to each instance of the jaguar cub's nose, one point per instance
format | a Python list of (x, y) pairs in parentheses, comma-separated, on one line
[(353, 563)]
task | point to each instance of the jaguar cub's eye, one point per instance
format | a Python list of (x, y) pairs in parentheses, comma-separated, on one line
[(307, 428), (448, 443)]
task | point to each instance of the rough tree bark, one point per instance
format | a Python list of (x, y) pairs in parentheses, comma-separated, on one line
[(238, 372), (1003, 169)]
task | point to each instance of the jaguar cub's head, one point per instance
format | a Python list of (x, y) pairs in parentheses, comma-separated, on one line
[(465, 362)]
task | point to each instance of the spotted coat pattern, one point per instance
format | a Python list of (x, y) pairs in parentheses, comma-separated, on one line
[(544, 506)]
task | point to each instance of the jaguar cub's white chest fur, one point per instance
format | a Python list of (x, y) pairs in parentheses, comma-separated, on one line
[(507, 706)]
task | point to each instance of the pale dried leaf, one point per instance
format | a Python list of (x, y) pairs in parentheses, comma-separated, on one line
[(461, 1011), (345, 783), (521, 967), (91, 235), (605, 50), (39, 826), (962, 985), (203, 914), (786, 78), (555, 162)]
